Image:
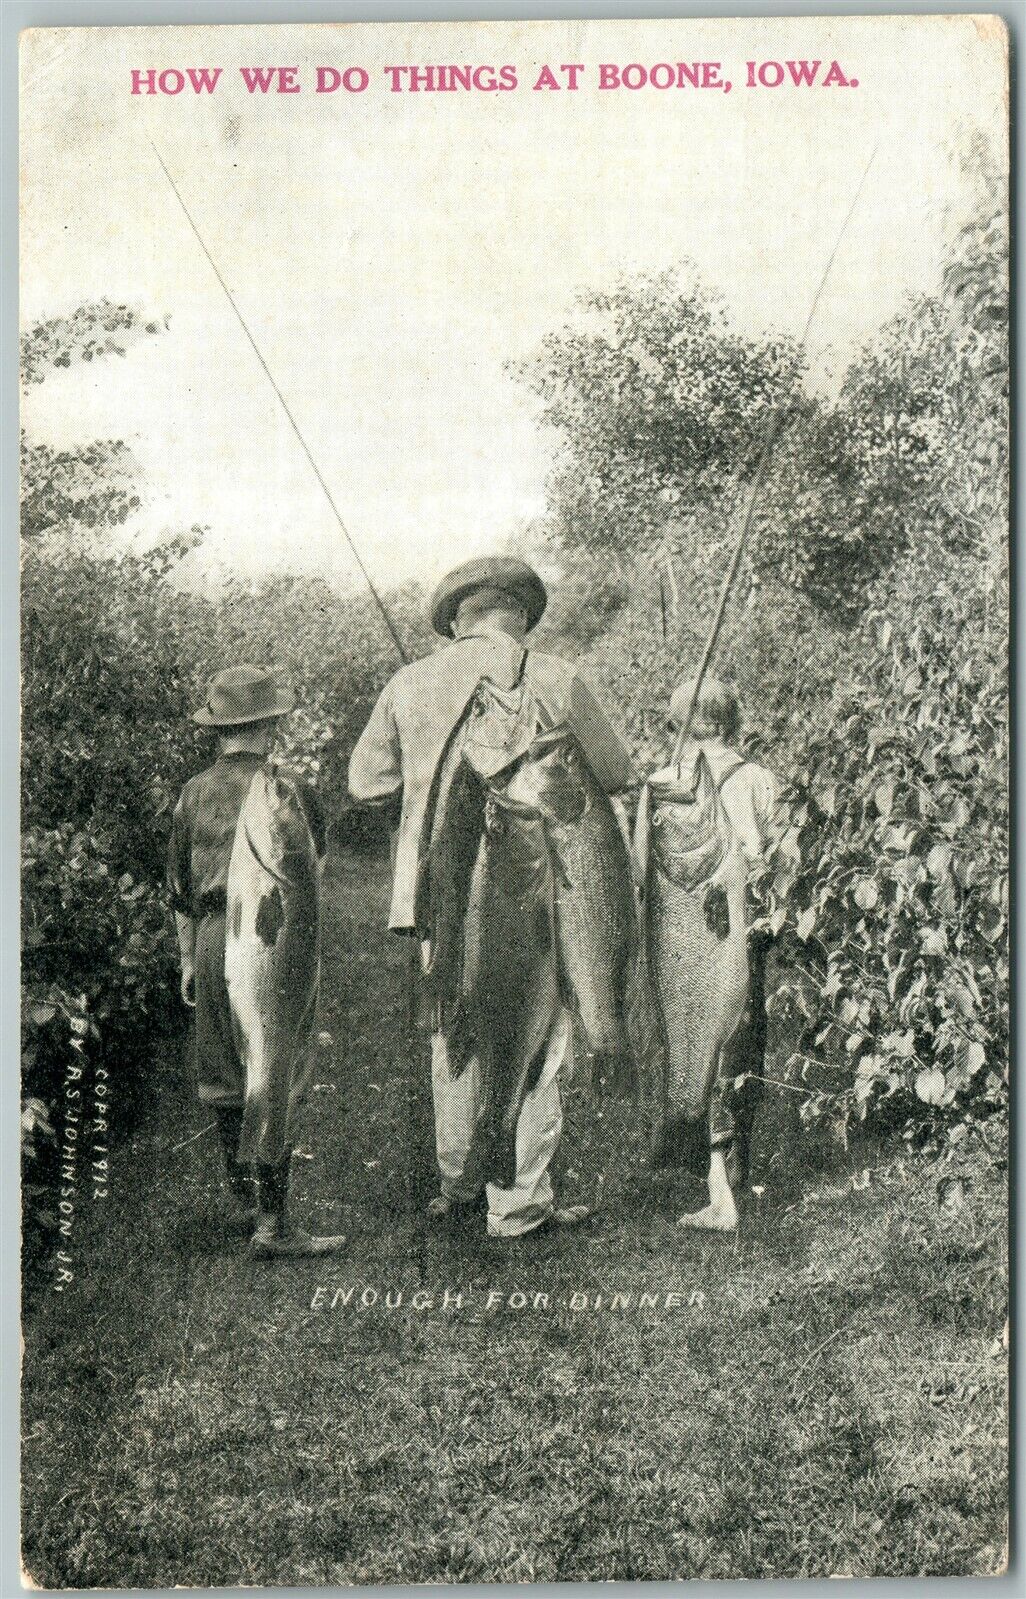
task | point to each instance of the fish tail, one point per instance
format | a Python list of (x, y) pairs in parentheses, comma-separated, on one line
[(503, 1171), (461, 1041), (254, 1119), (682, 1142), (264, 1121), (614, 1073), (690, 1089)]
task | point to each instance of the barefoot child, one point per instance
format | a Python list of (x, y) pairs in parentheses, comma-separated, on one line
[(244, 705)]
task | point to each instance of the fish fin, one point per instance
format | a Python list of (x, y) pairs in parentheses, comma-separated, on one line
[(461, 1042), (445, 883), (254, 1117), (613, 1073), (503, 1166), (716, 910), (704, 784), (534, 1070)]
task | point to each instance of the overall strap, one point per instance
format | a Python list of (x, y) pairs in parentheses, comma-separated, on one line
[(543, 714), (642, 836), (741, 761)]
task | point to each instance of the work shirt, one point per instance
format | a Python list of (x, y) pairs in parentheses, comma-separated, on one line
[(203, 831), (403, 741), (749, 793)]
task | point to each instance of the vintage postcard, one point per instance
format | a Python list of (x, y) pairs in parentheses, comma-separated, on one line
[(514, 539)]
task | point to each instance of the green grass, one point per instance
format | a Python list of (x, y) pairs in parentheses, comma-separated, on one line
[(831, 1403)]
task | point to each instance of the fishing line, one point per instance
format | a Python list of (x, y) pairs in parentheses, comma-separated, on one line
[(379, 602)]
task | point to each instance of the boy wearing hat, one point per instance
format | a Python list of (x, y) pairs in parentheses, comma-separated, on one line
[(244, 705), (484, 610)]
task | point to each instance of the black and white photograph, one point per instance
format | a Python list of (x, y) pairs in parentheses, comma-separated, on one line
[(514, 539)]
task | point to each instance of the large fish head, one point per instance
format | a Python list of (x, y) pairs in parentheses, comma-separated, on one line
[(690, 830), (276, 824), (553, 778), (687, 812)]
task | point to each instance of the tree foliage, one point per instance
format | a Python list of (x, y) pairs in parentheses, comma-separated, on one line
[(662, 410), (91, 332), (94, 487)]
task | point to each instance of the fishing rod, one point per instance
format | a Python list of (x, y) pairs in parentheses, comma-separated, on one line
[(772, 429), (379, 602)]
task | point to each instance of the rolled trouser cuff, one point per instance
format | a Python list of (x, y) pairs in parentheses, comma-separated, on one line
[(522, 1221)]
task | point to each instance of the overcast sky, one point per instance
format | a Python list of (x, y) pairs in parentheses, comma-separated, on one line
[(392, 252)]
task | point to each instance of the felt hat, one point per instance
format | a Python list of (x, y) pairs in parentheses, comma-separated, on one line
[(242, 694), (504, 572)]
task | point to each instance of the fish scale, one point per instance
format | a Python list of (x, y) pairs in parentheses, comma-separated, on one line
[(272, 961), (695, 881)]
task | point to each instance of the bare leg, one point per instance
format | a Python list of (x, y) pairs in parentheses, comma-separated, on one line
[(720, 1215)]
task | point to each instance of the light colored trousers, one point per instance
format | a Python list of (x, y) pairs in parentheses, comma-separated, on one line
[(515, 1210)]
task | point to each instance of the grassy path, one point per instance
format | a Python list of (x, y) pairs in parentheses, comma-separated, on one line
[(823, 1398)]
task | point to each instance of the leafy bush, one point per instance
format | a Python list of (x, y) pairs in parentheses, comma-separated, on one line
[(891, 885), (115, 656), (114, 660), (105, 746), (889, 889)]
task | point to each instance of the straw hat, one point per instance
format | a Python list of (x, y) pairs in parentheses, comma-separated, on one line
[(504, 572)]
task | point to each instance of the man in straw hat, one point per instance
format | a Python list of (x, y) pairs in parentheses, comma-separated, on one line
[(485, 609), (244, 706)]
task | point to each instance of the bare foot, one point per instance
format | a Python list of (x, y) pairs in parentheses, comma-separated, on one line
[(721, 1218), (439, 1207)]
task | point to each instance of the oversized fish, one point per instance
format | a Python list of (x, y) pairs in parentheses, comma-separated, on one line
[(594, 907), (272, 960), (511, 974), (485, 910), (525, 901), (694, 878)]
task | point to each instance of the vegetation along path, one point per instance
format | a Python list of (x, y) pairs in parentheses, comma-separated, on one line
[(826, 1394)]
